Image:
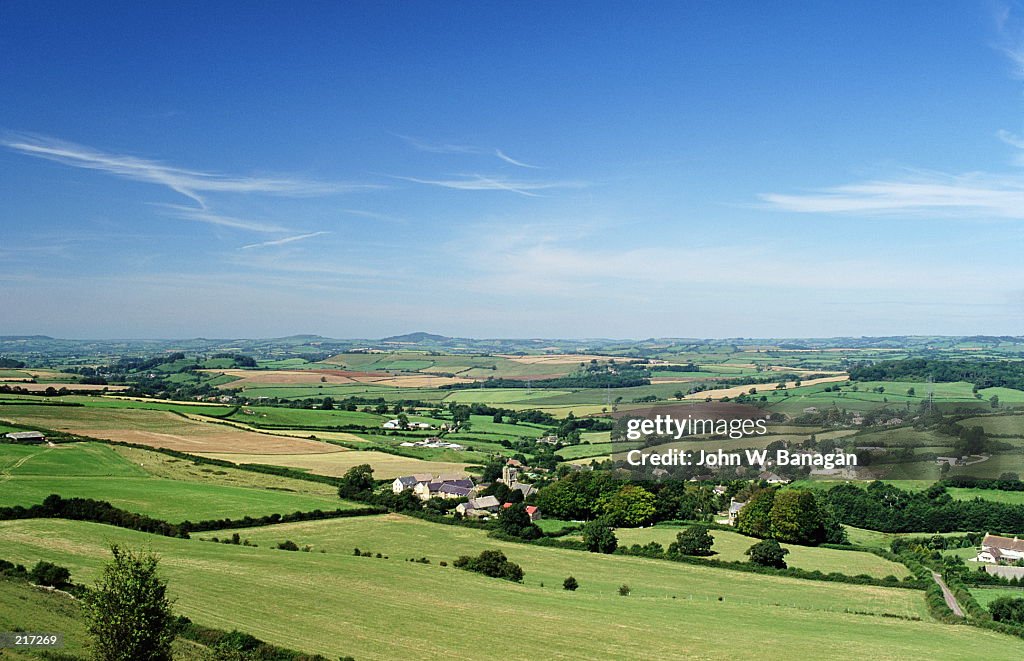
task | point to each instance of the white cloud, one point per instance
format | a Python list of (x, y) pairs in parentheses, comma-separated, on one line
[(508, 159), (190, 183), (477, 182), (287, 239), (206, 216)]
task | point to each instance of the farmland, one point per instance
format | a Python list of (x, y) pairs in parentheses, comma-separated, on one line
[(251, 588), (731, 546), (28, 474), (385, 466)]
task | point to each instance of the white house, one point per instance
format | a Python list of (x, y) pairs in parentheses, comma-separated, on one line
[(998, 550), (410, 481), (772, 478), (734, 510)]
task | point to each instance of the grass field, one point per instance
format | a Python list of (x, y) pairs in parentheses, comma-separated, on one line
[(731, 546), (998, 424), (385, 466), (157, 429), (28, 474), (1012, 497), (986, 595), (344, 600)]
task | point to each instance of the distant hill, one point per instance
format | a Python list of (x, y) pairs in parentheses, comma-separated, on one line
[(416, 338)]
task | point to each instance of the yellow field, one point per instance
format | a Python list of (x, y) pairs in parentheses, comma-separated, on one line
[(385, 466), (160, 429), (761, 387), (332, 377)]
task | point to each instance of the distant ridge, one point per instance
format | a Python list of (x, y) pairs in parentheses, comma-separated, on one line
[(416, 338)]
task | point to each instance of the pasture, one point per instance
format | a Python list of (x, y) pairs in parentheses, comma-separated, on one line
[(28, 474), (344, 599), (731, 546), (385, 466)]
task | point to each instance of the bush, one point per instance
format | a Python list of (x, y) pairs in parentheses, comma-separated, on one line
[(599, 537), (570, 584), (491, 563), (624, 590), (768, 554), (288, 545), (695, 540), (1007, 609), (49, 574)]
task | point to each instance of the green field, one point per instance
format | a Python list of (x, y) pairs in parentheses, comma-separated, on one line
[(731, 546), (344, 600), (986, 595), (28, 474), (995, 495), (1007, 425)]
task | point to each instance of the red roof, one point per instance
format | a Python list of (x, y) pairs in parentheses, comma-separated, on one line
[(530, 509)]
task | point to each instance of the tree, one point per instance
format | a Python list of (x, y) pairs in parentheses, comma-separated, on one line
[(128, 613), (994, 401), (49, 574), (795, 517), (630, 506), (491, 563), (678, 394), (910, 392), (971, 441), (768, 553), (695, 540), (754, 519), (327, 404), (1007, 609), (357, 482), (403, 421), (515, 521), (599, 537), (570, 584)]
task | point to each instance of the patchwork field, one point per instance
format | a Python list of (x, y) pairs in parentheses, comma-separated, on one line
[(158, 429), (762, 388), (247, 378), (731, 546), (385, 466), (28, 474)]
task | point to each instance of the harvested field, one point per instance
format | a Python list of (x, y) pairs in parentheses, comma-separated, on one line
[(385, 466), (332, 377), (159, 429), (735, 391)]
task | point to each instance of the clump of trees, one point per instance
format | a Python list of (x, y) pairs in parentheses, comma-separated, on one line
[(357, 483), (695, 540), (599, 537), (792, 515), (49, 574), (491, 563), (515, 521), (768, 553), (1007, 609), (128, 613)]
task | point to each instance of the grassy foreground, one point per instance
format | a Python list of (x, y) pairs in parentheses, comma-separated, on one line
[(335, 603)]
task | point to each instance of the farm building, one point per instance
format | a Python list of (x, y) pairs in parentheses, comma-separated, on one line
[(478, 506), (27, 437), (772, 478), (444, 487), (532, 510), (410, 481), (997, 550)]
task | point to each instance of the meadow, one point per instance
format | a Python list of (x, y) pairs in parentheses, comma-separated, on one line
[(28, 474), (385, 466), (345, 602), (731, 547)]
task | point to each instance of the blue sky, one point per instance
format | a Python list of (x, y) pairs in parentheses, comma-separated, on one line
[(361, 169)]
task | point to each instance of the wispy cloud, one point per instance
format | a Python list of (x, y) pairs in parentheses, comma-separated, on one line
[(190, 183), (1010, 37), (508, 159), (372, 214), (450, 148), (281, 242), (206, 216), (478, 182), (978, 195)]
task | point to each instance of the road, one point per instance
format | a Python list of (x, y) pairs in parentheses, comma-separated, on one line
[(948, 594)]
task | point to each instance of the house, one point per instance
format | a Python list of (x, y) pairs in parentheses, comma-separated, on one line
[(952, 461), (720, 489), (527, 489), (998, 550), (811, 409), (409, 481), (452, 488), (27, 437), (478, 506), (734, 510), (532, 510), (772, 478), (392, 424), (548, 440), (510, 471)]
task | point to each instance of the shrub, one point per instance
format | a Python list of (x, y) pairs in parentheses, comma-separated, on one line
[(624, 590), (491, 563), (47, 573), (1007, 609), (768, 554), (570, 584), (599, 537), (288, 545)]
